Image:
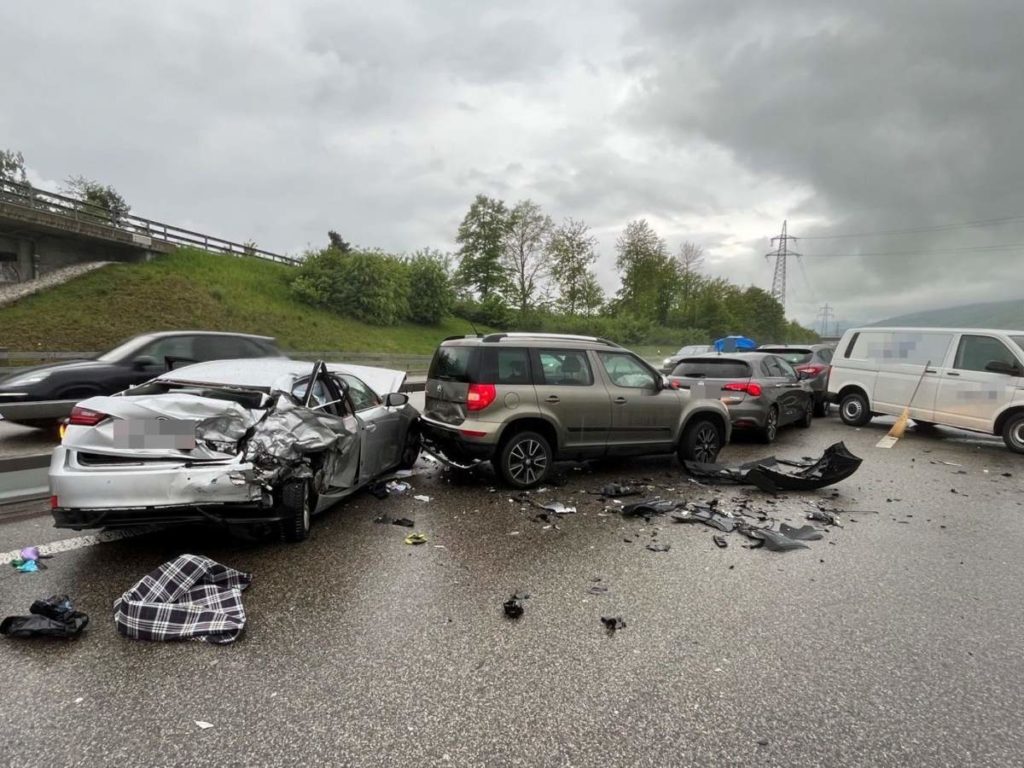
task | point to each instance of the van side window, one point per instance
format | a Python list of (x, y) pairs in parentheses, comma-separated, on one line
[(975, 352), (852, 344), (901, 347)]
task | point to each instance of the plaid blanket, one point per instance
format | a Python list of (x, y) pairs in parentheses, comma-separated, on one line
[(190, 597)]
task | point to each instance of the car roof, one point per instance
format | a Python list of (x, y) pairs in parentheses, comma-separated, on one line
[(162, 334), (912, 329), (268, 373), (557, 340)]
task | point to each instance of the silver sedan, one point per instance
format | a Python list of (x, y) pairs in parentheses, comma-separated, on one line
[(232, 441)]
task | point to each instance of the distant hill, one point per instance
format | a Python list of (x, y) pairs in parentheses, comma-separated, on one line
[(996, 314), (196, 290)]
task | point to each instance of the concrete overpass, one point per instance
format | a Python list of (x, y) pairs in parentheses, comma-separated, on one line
[(43, 231)]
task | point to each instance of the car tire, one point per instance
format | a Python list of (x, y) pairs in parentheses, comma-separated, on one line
[(702, 440), (411, 449), (296, 510), (821, 407), (808, 418), (525, 459), (853, 409), (770, 430), (1013, 433)]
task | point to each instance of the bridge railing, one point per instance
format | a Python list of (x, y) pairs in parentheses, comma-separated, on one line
[(29, 197)]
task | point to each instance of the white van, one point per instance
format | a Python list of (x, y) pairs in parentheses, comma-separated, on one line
[(973, 378)]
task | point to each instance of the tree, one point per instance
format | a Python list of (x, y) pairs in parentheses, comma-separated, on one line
[(650, 280), (527, 232), (571, 253), (481, 239), (337, 243), (95, 194), (12, 166), (430, 295), (591, 296), (689, 261)]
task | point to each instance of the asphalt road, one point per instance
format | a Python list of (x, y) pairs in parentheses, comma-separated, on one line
[(896, 640)]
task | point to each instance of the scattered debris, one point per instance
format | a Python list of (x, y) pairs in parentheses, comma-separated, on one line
[(824, 516), (558, 508), (404, 522), (416, 538), (188, 598), (513, 607), (613, 623), (53, 617), (720, 541), (804, 533), (777, 541), (397, 486), (203, 725), (597, 589), (616, 490), (649, 507), (28, 560), (708, 515), (421, 498), (657, 547), (834, 465)]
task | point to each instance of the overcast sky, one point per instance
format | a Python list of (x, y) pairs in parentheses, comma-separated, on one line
[(276, 121)]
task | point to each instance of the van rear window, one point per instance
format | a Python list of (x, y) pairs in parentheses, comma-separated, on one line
[(713, 369), (454, 363)]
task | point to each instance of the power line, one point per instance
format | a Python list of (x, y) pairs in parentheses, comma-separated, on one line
[(826, 315), (918, 230), (964, 249)]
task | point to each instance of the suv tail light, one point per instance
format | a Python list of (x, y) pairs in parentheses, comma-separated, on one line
[(86, 417), (752, 388), (812, 368), (480, 396)]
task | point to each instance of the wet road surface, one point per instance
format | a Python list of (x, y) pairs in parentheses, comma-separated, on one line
[(893, 641)]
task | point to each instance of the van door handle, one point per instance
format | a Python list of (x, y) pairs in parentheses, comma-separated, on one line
[(552, 399), (950, 373), (370, 427), (619, 401), (932, 370)]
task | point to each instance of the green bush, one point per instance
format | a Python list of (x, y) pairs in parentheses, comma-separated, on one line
[(430, 293), (366, 285)]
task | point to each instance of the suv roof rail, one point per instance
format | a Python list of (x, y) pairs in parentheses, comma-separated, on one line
[(494, 337), (461, 336)]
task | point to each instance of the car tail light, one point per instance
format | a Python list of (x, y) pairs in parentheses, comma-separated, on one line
[(86, 417), (752, 388), (813, 368), (54, 503), (480, 396)]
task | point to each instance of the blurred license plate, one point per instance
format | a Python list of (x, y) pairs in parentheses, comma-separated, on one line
[(168, 434)]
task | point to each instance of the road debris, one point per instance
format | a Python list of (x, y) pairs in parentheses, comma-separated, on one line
[(416, 538), (53, 617), (613, 623), (616, 490), (188, 598), (404, 522), (658, 547), (513, 607), (558, 508), (720, 541), (834, 465), (203, 725), (421, 498)]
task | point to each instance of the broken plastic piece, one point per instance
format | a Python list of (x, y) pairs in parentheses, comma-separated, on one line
[(614, 490), (824, 516), (705, 514), (649, 507), (203, 725), (773, 540), (658, 547), (558, 508), (421, 498), (834, 465), (597, 589), (803, 533), (416, 538), (613, 623), (720, 541), (405, 522)]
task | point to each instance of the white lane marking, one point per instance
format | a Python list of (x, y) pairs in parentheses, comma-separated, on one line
[(66, 545)]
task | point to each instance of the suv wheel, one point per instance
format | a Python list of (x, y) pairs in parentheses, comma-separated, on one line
[(702, 440), (296, 509), (1013, 433), (525, 460), (770, 429), (853, 409)]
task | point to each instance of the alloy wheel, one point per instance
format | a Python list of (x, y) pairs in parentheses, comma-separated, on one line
[(527, 461), (705, 449)]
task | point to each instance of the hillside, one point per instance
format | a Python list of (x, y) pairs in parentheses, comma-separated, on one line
[(196, 290), (996, 314)]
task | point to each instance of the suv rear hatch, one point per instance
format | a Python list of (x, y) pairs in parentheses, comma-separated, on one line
[(728, 379), (452, 371)]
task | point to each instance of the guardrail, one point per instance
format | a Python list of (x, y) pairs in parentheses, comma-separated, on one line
[(27, 197)]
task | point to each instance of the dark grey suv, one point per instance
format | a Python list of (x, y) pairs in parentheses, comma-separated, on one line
[(521, 401), (812, 360)]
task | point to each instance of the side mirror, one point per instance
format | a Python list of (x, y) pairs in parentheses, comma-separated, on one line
[(999, 366), (144, 362), (396, 400)]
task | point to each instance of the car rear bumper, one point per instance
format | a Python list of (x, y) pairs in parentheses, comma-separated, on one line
[(224, 514), (149, 485), (748, 416), (452, 446)]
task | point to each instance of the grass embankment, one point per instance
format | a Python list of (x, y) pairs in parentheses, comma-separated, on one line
[(194, 290)]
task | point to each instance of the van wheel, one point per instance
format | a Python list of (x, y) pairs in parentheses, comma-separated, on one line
[(770, 430), (853, 409), (296, 508), (525, 460), (1013, 433), (808, 417), (701, 441)]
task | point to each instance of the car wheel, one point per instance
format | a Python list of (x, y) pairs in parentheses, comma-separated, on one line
[(853, 409), (296, 510), (821, 407), (411, 451), (702, 441), (808, 418), (525, 460), (1013, 433), (770, 430)]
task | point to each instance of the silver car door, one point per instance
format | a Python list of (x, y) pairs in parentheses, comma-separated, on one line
[(380, 427)]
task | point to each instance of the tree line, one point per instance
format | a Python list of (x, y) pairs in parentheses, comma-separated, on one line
[(516, 268)]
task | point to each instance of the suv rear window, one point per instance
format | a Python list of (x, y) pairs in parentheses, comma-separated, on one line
[(454, 363), (791, 356), (713, 369)]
